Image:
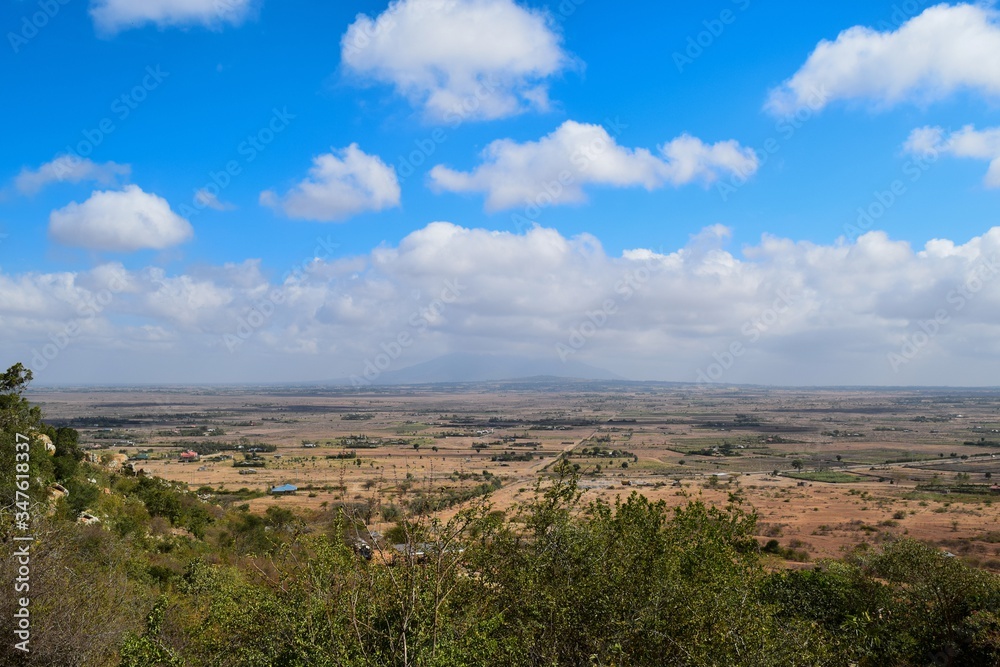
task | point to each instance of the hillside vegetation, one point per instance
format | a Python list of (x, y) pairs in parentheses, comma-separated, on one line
[(171, 578)]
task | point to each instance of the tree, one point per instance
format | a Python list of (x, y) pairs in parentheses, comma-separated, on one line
[(21, 423), (15, 379), (15, 410), (797, 464)]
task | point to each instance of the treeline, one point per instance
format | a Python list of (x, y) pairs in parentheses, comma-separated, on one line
[(167, 579)]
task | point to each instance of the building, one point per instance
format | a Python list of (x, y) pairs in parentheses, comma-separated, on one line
[(189, 455), (284, 490)]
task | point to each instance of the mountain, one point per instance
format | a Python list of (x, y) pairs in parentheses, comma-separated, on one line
[(461, 367)]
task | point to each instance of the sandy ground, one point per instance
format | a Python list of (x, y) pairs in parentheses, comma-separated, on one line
[(712, 441)]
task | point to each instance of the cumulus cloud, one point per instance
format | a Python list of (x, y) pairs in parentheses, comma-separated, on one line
[(944, 49), (967, 142), (458, 59), (122, 221), (802, 313), (340, 184), (69, 169), (556, 168), (112, 16)]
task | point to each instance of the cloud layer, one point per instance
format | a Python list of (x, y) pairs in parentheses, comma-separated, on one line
[(875, 311), (119, 221), (340, 184), (112, 16), (69, 169), (944, 49), (556, 168), (458, 59)]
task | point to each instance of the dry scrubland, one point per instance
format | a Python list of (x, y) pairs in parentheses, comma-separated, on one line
[(909, 462)]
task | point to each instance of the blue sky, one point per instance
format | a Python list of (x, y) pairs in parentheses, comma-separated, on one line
[(733, 142)]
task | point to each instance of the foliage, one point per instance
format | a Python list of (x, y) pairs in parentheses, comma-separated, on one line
[(19, 417), (147, 650)]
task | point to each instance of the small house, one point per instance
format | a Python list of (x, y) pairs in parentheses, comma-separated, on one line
[(284, 490), (189, 456)]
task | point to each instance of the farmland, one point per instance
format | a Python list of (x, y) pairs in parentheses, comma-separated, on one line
[(826, 470)]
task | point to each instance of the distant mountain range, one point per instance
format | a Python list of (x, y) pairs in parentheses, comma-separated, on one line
[(459, 367)]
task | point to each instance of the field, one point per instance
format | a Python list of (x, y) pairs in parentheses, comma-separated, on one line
[(826, 470)]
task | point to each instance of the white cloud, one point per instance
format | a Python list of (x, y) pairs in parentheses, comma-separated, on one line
[(803, 313), (944, 49), (112, 16), (123, 221), (458, 59), (556, 168), (967, 142), (210, 200), (70, 169), (340, 184)]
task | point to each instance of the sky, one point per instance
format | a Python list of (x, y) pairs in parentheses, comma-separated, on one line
[(736, 191)]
